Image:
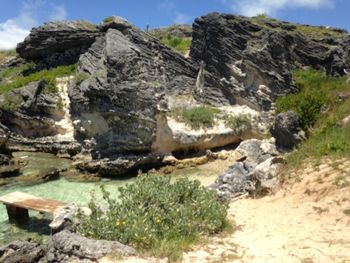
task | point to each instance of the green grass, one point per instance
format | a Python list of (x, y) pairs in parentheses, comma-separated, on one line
[(48, 75), (200, 117), (180, 44), (157, 216), (326, 136)]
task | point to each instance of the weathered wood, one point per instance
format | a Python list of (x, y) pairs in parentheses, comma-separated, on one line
[(18, 204)]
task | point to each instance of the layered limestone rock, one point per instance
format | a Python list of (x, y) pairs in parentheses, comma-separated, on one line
[(254, 57), (58, 43), (118, 114)]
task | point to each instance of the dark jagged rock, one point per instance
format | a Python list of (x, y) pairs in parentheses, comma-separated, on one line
[(119, 165), (58, 43), (255, 57), (22, 252), (287, 131), (66, 246)]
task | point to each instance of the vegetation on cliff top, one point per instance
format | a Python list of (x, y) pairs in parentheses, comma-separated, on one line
[(321, 105), (11, 78), (315, 32), (156, 215)]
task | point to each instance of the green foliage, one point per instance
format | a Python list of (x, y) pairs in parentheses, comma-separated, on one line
[(239, 123), (157, 215), (181, 44), (326, 136), (200, 117), (48, 75), (309, 102)]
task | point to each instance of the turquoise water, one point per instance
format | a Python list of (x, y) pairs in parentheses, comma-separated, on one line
[(63, 190)]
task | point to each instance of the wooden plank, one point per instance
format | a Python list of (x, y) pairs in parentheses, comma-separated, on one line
[(27, 201)]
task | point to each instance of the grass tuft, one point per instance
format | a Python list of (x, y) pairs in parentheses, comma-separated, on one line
[(180, 44)]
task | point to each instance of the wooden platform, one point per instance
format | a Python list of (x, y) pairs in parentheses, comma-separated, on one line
[(18, 204)]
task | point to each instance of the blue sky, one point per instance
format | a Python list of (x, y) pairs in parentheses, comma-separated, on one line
[(17, 17)]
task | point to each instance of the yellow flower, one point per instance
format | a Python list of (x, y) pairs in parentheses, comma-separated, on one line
[(117, 223), (158, 221)]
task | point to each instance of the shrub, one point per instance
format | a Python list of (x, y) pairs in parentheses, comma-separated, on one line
[(315, 93), (200, 117), (156, 214), (239, 123)]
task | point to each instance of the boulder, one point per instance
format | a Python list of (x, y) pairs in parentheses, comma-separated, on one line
[(258, 150), (235, 181), (266, 174), (65, 246), (287, 131), (256, 173)]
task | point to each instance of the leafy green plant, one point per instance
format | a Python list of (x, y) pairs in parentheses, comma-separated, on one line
[(200, 117), (309, 102), (48, 75), (156, 214), (239, 123)]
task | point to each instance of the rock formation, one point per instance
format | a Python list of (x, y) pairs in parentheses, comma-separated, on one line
[(256, 173), (287, 131), (120, 114), (58, 43), (254, 58)]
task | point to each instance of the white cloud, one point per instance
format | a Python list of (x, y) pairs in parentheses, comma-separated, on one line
[(11, 34), (271, 7), (33, 12), (166, 5), (59, 12), (181, 19)]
